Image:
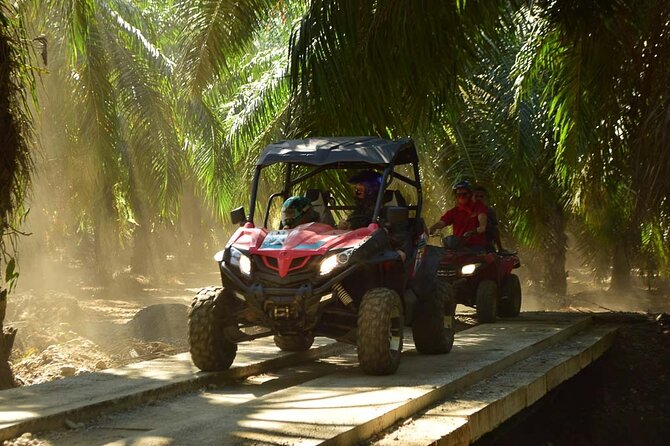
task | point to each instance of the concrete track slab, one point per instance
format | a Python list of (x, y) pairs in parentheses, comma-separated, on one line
[(464, 417), (349, 407), (49, 405)]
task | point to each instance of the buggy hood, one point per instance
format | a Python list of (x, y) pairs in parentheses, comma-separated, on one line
[(305, 240)]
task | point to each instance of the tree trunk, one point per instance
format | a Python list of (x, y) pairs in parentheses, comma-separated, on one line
[(144, 250), (14, 173), (144, 244), (105, 232), (555, 247), (620, 267), (7, 336), (102, 272)]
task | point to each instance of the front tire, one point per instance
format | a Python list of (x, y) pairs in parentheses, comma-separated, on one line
[(210, 350), (487, 301), (294, 343), (380, 331), (510, 302), (433, 325)]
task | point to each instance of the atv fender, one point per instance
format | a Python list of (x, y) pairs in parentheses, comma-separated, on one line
[(409, 299), (423, 282)]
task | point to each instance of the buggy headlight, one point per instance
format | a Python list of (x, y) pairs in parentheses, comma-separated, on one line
[(335, 260), (469, 269), (218, 257), (240, 260), (245, 265)]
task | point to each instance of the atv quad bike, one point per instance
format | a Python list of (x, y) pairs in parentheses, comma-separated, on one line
[(317, 280), (481, 280)]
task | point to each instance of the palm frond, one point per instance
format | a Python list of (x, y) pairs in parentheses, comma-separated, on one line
[(214, 31), (244, 111), (388, 64), (155, 159)]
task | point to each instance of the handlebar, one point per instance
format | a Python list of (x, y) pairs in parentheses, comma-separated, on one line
[(465, 236)]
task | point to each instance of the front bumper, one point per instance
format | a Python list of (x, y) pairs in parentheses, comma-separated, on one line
[(284, 309)]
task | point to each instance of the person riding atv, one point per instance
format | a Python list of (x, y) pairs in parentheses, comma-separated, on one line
[(361, 286), (474, 277), (493, 242), (467, 217)]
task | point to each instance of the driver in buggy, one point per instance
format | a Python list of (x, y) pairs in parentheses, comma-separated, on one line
[(468, 218), (297, 210), (366, 186)]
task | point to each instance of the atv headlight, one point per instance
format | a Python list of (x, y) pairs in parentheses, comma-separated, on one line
[(334, 261), (240, 260), (469, 269)]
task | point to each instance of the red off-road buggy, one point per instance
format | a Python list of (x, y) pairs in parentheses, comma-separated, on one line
[(481, 280), (316, 280)]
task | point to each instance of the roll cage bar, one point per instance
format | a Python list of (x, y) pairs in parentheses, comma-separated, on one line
[(290, 183), (335, 153)]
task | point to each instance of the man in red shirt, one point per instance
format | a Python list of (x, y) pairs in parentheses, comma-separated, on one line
[(467, 217)]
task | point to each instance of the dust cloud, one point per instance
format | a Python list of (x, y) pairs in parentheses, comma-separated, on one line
[(587, 293), (74, 318)]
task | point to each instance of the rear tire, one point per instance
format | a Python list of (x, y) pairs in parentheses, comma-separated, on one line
[(294, 343), (433, 325), (210, 350), (510, 301), (380, 331), (487, 301)]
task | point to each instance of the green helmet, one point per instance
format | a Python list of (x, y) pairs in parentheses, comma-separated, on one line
[(295, 211)]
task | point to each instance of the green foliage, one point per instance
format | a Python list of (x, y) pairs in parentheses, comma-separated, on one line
[(17, 86), (560, 108), (386, 67), (108, 112), (11, 274), (228, 122)]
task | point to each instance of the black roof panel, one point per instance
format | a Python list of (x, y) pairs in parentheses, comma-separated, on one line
[(332, 150)]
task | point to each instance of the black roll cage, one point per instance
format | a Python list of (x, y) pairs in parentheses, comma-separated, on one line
[(289, 183)]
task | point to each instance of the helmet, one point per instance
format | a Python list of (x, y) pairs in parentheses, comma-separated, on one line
[(295, 211), (370, 179), (462, 185)]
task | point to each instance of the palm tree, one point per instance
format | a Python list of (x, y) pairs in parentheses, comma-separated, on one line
[(232, 62), (116, 139), (16, 85), (386, 67), (609, 101), (394, 66), (449, 72)]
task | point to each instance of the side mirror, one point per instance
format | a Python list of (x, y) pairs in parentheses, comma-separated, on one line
[(237, 215), (397, 217)]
